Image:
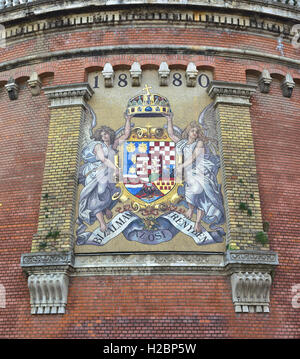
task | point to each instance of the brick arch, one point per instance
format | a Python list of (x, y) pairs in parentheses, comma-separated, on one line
[(203, 66), (21, 75), (46, 77), (122, 61), (256, 67), (121, 66), (18, 77), (150, 60), (253, 73), (149, 66), (92, 68), (44, 74), (45, 68), (93, 64), (22, 79), (277, 72), (146, 61), (4, 78)]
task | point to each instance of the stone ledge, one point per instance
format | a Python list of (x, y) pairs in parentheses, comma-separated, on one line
[(148, 264), (174, 263), (141, 263), (30, 260), (251, 257), (68, 95)]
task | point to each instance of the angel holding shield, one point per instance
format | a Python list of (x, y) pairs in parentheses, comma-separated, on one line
[(98, 176), (201, 189)]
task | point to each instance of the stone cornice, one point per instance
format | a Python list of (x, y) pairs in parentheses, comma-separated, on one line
[(251, 257), (30, 260), (174, 263), (151, 263), (68, 95), (247, 261), (42, 7), (230, 89), (231, 93), (211, 18)]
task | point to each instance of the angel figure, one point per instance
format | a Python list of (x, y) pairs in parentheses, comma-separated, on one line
[(201, 189), (97, 175)]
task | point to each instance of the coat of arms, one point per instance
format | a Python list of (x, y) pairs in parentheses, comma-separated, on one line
[(149, 182), (148, 157)]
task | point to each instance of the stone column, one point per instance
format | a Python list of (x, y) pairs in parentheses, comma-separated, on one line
[(52, 257), (250, 278)]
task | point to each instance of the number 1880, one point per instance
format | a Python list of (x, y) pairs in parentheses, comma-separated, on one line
[(176, 80)]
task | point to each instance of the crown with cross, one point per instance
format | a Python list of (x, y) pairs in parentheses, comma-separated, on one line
[(148, 105)]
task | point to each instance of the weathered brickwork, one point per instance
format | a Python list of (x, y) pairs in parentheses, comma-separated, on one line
[(149, 307), (56, 219), (238, 159), (38, 181)]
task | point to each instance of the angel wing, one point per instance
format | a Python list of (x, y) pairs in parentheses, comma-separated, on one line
[(90, 122), (177, 131), (207, 120)]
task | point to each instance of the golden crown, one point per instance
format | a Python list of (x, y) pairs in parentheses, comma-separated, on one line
[(148, 105)]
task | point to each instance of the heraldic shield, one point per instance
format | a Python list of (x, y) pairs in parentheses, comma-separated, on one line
[(147, 159)]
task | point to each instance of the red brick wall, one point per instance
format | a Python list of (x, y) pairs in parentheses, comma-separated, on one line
[(159, 35), (23, 139), (276, 134), (148, 306)]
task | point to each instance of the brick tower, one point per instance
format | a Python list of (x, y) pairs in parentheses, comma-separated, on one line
[(201, 243)]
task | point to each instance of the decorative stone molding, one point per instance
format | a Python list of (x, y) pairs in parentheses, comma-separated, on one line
[(146, 264), (48, 293), (191, 75), (12, 89), (48, 279), (163, 74), (251, 292), (183, 263), (251, 257), (30, 260), (251, 279), (265, 81), (136, 74), (35, 84), (231, 93), (288, 8), (108, 74), (287, 86), (69, 95)]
